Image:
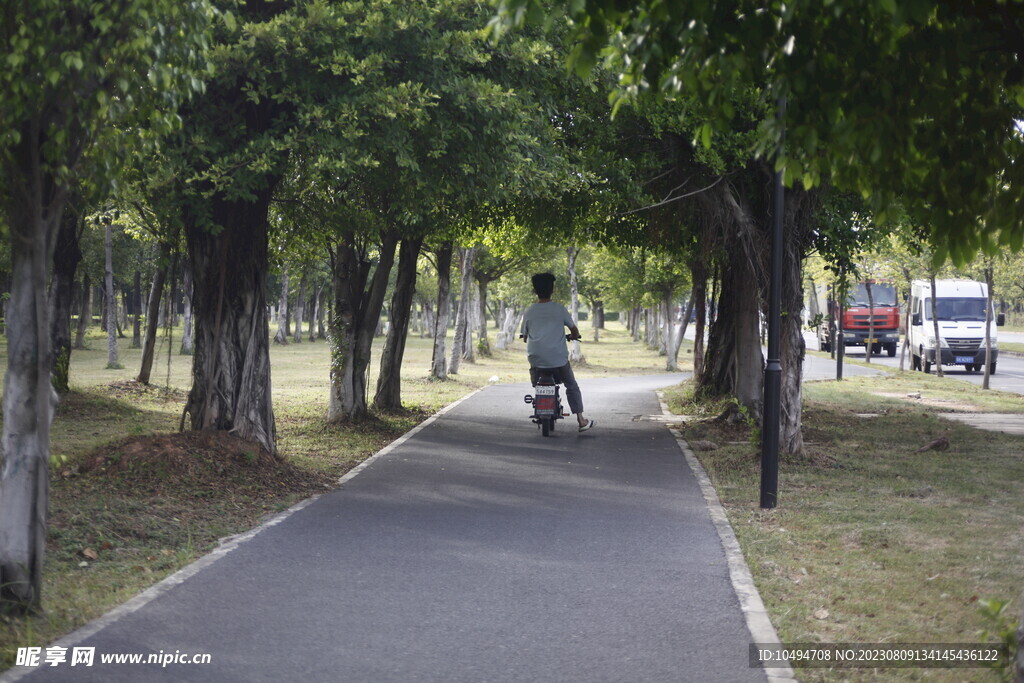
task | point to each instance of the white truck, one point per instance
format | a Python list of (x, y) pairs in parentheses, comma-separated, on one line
[(960, 306)]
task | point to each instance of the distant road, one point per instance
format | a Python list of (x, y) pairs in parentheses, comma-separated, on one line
[(1015, 337), (1009, 370)]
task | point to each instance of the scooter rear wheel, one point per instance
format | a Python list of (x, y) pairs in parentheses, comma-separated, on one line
[(545, 426)]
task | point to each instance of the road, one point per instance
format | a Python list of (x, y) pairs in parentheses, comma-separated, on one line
[(1009, 369), (476, 550), (1014, 337)]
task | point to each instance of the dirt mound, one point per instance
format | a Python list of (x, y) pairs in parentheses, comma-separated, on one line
[(130, 389), (200, 461)]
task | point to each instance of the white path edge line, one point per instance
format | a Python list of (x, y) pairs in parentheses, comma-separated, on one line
[(758, 622), (227, 544)]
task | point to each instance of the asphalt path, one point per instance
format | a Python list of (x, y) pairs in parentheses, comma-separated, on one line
[(477, 550)]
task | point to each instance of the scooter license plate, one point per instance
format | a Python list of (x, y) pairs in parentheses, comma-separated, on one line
[(965, 359), (545, 391)]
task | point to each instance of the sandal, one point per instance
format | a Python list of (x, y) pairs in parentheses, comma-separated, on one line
[(590, 423)]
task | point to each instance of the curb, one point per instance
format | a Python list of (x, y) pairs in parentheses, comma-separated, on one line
[(226, 545), (758, 622)]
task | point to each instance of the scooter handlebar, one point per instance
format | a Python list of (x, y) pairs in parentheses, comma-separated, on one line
[(568, 337)]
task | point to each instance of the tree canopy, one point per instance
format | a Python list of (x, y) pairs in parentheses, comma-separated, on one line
[(888, 99)]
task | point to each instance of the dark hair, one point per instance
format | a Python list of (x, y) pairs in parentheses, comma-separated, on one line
[(543, 284)]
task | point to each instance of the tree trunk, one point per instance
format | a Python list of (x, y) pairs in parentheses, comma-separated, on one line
[(353, 321), (156, 293), (122, 318), (321, 309), (665, 328), (172, 309), (187, 340), (651, 328), (439, 363), (840, 338), (674, 340), (108, 288), (231, 365), (389, 383), (103, 307), (988, 325), (429, 320), (29, 398), (686, 317), (282, 310), (935, 327), (162, 314), (733, 363), (906, 319), (314, 310), (484, 343), (700, 301), (66, 257), (507, 329), (85, 311), (869, 347), (468, 349), (137, 311), (575, 348), (792, 347), (426, 322), (300, 308), (462, 312)]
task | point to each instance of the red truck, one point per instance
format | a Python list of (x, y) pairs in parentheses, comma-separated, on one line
[(881, 305)]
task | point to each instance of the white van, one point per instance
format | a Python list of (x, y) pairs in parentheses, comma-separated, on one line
[(961, 312)]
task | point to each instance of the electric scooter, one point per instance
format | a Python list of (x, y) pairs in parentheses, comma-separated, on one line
[(546, 399)]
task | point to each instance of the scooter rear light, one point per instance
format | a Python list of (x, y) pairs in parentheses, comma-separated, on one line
[(544, 403)]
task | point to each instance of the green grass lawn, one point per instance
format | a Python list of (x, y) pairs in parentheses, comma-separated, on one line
[(1011, 346), (874, 542), (127, 508)]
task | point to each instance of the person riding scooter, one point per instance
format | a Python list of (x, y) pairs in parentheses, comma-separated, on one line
[(544, 330)]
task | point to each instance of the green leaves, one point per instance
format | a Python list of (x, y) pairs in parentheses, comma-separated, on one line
[(76, 68), (889, 99)]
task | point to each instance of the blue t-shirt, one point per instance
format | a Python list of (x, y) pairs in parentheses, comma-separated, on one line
[(544, 326)]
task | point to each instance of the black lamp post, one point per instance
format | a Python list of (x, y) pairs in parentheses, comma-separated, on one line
[(773, 368)]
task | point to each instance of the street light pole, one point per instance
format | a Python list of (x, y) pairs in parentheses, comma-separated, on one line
[(773, 368)]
